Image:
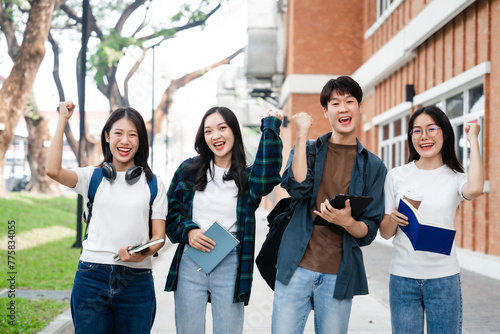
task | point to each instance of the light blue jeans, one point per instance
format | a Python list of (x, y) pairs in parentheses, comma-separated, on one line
[(194, 287), (439, 298), (308, 289)]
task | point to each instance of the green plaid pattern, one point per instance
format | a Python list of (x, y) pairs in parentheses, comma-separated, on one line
[(263, 176)]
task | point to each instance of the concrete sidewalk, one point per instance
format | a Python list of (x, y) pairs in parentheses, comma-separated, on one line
[(370, 314)]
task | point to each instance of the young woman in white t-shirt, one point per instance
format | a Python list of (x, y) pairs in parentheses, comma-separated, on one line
[(217, 185), (110, 296), (427, 283)]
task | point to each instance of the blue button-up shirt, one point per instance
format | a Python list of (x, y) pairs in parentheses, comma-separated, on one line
[(367, 179)]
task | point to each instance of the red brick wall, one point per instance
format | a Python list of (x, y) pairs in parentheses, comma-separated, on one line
[(460, 45), (492, 122), (324, 37), (327, 37)]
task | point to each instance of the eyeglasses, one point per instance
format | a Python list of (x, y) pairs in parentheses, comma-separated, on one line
[(431, 131)]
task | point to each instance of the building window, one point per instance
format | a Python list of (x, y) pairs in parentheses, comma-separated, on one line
[(382, 6), (392, 141), (467, 106)]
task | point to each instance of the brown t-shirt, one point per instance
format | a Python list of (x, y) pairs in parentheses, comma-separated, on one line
[(324, 251)]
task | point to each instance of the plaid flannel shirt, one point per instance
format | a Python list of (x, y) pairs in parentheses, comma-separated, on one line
[(263, 176)]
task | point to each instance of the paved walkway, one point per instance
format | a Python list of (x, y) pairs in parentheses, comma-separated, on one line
[(39, 294), (370, 314), (480, 285)]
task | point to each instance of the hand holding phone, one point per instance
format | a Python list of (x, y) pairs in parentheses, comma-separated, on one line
[(358, 205)]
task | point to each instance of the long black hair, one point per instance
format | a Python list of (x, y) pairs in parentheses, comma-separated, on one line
[(448, 154), (141, 156), (238, 157)]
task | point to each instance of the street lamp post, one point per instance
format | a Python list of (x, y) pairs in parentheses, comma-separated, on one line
[(81, 102), (153, 106)]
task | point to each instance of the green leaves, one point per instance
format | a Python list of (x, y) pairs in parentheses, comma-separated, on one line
[(109, 52), (189, 13)]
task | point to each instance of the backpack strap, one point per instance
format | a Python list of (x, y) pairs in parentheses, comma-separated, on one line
[(311, 152), (95, 181), (153, 189)]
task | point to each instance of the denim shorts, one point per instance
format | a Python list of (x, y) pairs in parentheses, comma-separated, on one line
[(112, 299)]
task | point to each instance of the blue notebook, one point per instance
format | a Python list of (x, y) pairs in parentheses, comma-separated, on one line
[(427, 237), (224, 243)]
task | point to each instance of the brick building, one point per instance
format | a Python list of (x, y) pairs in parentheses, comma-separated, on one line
[(405, 54)]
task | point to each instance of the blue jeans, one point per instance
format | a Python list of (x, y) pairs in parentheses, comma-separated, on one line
[(308, 289), (439, 298), (195, 287), (112, 299)]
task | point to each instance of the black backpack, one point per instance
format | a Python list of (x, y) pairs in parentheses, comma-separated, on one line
[(278, 220)]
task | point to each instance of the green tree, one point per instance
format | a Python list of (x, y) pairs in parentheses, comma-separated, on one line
[(108, 43), (27, 56)]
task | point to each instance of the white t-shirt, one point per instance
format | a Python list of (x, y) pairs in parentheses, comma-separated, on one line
[(217, 202), (441, 188), (119, 216)]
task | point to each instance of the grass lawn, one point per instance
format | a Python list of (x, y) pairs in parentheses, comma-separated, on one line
[(50, 266), (36, 211), (30, 316)]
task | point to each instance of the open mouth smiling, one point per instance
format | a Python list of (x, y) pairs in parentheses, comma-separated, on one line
[(219, 145), (426, 146), (123, 151), (345, 120)]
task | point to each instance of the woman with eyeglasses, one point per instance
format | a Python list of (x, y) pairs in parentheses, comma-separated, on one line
[(427, 283)]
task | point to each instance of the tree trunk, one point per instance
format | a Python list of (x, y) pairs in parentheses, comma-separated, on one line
[(166, 99), (112, 93), (18, 86), (37, 156)]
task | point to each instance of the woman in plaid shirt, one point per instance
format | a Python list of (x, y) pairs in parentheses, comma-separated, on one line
[(218, 186)]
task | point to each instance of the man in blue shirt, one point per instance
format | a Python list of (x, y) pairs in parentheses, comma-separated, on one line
[(320, 263)]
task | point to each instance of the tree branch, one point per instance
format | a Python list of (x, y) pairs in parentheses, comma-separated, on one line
[(7, 26), (132, 72), (169, 33), (92, 21), (73, 143), (126, 14), (166, 99), (143, 23)]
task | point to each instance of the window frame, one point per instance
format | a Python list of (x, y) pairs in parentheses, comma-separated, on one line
[(398, 144), (393, 150), (458, 122), (383, 6)]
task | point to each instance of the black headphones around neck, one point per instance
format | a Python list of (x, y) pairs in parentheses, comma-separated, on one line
[(132, 175)]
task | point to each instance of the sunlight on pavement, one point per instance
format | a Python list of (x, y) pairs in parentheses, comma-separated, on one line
[(38, 236)]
